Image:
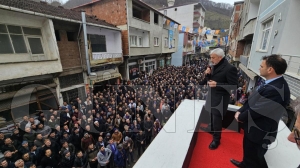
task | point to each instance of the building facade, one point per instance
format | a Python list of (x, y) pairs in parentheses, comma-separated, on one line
[(192, 16), (147, 40), (44, 58), (235, 47)]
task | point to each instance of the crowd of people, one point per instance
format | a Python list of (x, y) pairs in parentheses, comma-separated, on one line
[(105, 127)]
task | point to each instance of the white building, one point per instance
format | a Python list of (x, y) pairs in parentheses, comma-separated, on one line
[(276, 33)]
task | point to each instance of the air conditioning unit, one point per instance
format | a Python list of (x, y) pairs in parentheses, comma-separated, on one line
[(140, 61)]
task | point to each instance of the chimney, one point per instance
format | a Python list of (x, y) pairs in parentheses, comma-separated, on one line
[(171, 3)]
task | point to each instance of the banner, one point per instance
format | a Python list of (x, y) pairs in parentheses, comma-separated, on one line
[(170, 39), (176, 26), (183, 28), (217, 31)]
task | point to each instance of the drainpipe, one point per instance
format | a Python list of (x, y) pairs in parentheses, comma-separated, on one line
[(80, 54), (85, 43)]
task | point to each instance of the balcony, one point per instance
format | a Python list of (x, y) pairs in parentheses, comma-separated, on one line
[(196, 24), (244, 60), (197, 14), (104, 58), (249, 27), (194, 146), (189, 46)]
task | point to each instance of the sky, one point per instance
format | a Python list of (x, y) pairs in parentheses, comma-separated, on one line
[(225, 1)]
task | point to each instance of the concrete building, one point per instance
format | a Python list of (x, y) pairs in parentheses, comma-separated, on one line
[(147, 41), (235, 48), (190, 15), (43, 56), (276, 33)]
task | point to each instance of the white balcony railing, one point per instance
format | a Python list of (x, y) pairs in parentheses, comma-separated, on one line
[(293, 62), (101, 56)]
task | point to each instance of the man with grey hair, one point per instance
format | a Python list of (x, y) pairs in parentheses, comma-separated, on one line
[(221, 77)]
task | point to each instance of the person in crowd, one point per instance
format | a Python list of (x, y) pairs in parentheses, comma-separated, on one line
[(92, 152), (221, 77), (140, 141), (80, 160), (120, 157), (261, 113), (103, 157)]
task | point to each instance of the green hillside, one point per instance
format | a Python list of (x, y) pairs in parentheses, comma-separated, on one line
[(215, 20)]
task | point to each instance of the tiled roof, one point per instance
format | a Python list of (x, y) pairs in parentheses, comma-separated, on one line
[(44, 8)]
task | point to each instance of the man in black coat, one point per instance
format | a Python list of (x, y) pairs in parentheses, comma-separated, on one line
[(262, 111), (221, 77)]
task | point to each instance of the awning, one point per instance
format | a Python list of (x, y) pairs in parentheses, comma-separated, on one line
[(106, 75), (249, 73)]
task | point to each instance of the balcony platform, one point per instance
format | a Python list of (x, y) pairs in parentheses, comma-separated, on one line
[(174, 145)]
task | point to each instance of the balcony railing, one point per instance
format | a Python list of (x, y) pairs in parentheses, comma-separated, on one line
[(249, 27), (244, 60), (293, 62), (100, 56)]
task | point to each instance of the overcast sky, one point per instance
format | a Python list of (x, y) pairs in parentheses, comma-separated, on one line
[(225, 1)]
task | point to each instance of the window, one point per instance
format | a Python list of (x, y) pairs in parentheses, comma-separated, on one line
[(175, 9), (165, 12), (156, 18), (173, 43), (166, 42), (133, 40), (71, 36), (140, 12), (57, 35), (156, 41), (20, 40), (69, 80), (266, 31), (98, 43), (140, 41)]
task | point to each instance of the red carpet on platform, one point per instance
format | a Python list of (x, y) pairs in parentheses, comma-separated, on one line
[(230, 147)]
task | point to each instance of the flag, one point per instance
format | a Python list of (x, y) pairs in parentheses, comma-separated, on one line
[(200, 31), (172, 24), (212, 32), (179, 27), (187, 29), (207, 32), (175, 26), (217, 31), (222, 30), (191, 31), (168, 21), (203, 31), (183, 28), (194, 42), (226, 39), (164, 20)]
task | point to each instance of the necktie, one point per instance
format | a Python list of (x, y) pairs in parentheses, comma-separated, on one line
[(261, 85)]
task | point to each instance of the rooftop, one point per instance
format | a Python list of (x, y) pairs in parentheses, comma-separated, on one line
[(45, 8), (137, 1), (179, 5)]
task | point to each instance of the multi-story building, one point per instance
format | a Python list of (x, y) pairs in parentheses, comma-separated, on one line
[(190, 15), (246, 30), (235, 47), (44, 59), (147, 39), (268, 28)]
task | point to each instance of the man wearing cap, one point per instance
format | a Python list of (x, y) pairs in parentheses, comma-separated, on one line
[(24, 148), (103, 157), (86, 140), (128, 146)]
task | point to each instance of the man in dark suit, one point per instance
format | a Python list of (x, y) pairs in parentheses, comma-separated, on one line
[(221, 78), (262, 111)]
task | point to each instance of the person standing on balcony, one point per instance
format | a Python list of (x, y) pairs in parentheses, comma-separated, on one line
[(221, 78), (262, 111)]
